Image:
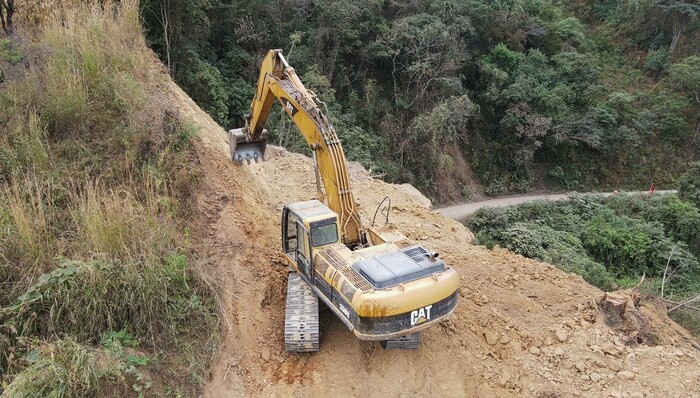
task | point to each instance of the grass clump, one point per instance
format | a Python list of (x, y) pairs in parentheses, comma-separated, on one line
[(63, 369), (97, 295)]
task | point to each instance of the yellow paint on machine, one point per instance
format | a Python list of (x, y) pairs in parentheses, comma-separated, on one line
[(406, 297)]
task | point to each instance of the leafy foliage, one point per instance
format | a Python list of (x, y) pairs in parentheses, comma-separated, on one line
[(689, 184), (550, 96), (603, 240)]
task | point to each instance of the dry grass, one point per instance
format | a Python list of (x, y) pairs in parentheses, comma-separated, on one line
[(63, 369), (93, 175), (86, 82), (26, 233), (114, 224), (29, 218)]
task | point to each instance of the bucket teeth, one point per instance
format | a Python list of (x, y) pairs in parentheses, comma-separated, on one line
[(244, 150)]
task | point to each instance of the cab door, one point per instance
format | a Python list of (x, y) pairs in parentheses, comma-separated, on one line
[(289, 234), (303, 251), (295, 242)]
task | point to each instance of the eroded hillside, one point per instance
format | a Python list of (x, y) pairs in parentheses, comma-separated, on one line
[(522, 328)]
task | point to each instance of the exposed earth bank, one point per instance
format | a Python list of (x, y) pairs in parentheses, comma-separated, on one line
[(522, 328)]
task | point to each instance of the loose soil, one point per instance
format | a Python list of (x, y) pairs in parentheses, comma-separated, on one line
[(522, 328)]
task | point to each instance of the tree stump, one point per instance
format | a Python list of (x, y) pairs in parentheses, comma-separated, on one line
[(613, 307)]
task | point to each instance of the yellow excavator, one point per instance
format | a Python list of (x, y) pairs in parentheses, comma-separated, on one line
[(380, 284)]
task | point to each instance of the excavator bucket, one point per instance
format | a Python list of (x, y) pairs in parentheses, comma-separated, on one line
[(243, 149)]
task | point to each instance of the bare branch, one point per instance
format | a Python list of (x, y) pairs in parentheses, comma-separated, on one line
[(685, 303), (663, 281), (644, 275)]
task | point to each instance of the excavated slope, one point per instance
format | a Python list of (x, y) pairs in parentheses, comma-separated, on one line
[(522, 328)]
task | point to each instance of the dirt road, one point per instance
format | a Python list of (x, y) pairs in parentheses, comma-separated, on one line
[(464, 210), (521, 328)]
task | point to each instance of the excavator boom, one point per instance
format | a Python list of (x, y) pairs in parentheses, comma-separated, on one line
[(279, 81)]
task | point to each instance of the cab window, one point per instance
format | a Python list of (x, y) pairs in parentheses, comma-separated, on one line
[(324, 234)]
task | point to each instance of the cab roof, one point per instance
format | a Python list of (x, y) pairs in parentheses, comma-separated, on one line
[(312, 210)]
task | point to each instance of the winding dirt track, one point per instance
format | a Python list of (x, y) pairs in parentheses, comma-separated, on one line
[(464, 210), (521, 328)]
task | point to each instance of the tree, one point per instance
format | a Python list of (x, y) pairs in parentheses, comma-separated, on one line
[(689, 184), (680, 13), (7, 10), (685, 75), (426, 53)]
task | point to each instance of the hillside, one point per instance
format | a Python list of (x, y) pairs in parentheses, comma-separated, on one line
[(463, 98), (522, 328), (137, 259)]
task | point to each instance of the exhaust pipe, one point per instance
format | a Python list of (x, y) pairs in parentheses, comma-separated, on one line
[(243, 149)]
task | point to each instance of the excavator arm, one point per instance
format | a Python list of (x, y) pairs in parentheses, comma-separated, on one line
[(279, 81)]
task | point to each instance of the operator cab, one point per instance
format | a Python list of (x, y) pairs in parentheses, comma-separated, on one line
[(307, 226)]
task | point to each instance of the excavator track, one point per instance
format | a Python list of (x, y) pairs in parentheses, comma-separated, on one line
[(301, 317), (408, 342)]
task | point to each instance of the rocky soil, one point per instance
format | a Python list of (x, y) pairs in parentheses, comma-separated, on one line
[(522, 328)]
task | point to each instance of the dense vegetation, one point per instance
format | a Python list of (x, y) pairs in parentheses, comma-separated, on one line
[(521, 92), (96, 293), (611, 241)]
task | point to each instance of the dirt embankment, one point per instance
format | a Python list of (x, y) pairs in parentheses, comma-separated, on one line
[(522, 328)]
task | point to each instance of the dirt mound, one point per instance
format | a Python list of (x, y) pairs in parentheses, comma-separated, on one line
[(522, 328)]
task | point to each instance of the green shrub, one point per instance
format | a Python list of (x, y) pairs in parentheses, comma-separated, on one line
[(657, 61), (621, 237), (9, 51), (680, 219), (63, 369), (620, 242), (559, 248), (66, 368), (84, 299), (689, 184)]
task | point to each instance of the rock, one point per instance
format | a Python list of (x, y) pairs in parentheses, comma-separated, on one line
[(514, 346), (616, 394), (579, 338), (580, 366), (534, 351), (504, 378), (485, 391), (625, 375), (636, 395), (615, 365), (504, 339), (558, 352), (491, 338), (265, 354), (610, 349), (562, 335), (595, 377)]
